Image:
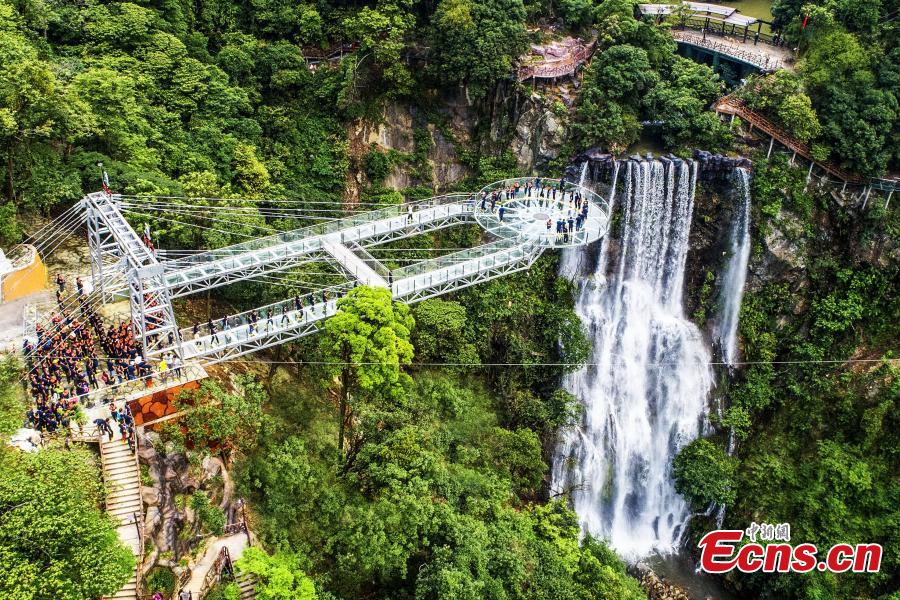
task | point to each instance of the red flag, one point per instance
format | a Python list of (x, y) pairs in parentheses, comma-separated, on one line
[(805, 19)]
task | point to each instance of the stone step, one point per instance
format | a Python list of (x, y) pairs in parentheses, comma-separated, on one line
[(125, 510), (113, 471), (124, 480), (126, 498), (123, 485), (124, 459), (133, 503), (114, 445), (129, 590), (118, 453)]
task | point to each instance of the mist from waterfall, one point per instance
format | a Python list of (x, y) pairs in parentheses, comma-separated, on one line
[(644, 391), (731, 287)]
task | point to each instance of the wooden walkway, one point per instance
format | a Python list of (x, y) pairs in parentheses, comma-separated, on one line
[(558, 67), (729, 105)]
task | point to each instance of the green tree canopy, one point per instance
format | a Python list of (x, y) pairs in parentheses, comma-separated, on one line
[(55, 543), (705, 474), (365, 346), (474, 42)]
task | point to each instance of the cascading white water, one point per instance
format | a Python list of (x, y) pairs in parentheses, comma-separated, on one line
[(572, 260), (644, 391), (731, 287)]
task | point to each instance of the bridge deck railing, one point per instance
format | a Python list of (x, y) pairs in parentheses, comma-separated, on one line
[(762, 60), (312, 231)]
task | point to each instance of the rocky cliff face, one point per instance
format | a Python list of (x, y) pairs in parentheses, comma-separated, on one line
[(171, 527), (540, 133), (405, 129)]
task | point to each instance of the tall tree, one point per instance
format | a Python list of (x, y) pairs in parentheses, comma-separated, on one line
[(474, 42), (365, 346), (55, 543)]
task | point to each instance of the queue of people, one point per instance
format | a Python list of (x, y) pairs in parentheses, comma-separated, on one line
[(124, 422)]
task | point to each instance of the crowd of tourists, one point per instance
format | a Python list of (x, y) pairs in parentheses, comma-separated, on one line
[(549, 193), (75, 353), (123, 420), (263, 320)]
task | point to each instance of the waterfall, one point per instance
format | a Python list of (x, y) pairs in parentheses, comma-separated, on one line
[(725, 325), (644, 391), (573, 259)]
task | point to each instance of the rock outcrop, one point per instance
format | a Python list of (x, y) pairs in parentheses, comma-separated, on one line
[(656, 588)]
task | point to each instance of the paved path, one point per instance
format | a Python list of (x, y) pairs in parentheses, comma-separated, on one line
[(236, 544), (764, 56)]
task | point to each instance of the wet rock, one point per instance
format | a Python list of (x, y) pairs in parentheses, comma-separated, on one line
[(714, 165), (656, 588)]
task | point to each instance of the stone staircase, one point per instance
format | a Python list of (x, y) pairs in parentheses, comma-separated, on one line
[(247, 585), (122, 477)]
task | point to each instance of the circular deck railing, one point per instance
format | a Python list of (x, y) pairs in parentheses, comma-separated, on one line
[(549, 211)]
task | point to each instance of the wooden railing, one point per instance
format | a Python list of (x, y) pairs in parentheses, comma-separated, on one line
[(733, 106), (221, 565), (549, 69)]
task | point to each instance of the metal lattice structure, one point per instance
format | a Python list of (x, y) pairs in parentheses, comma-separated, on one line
[(517, 216)]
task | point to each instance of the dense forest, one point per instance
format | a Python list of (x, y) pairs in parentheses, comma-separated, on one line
[(372, 471)]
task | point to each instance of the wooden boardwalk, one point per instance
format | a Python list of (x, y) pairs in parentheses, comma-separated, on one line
[(556, 67), (729, 105)]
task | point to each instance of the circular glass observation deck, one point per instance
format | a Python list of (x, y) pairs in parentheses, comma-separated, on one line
[(538, 209)]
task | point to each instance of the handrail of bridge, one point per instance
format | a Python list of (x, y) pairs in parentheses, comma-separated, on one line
[(492, 223), (364, 255), (732, 105), (319, 229), (406, 282), (273, 310), (455, 258), (698, 23), (140, 386), (759, 59)]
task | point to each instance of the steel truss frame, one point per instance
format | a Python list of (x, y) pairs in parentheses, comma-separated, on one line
[(151, 306), (467, 279), (184, 279), (441, 281)]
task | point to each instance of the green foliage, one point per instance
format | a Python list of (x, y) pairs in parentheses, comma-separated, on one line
[(364, 346), (381, 32), (280, 575), (160, 579), (377, 165), (55, 542), (704, 474), (441, 333), (12, 401), (474, 42), (637, 77), (217, 420), (781, 95), (526, 320), (211, 518), (224, 591), (432, 504), (821, 438)]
